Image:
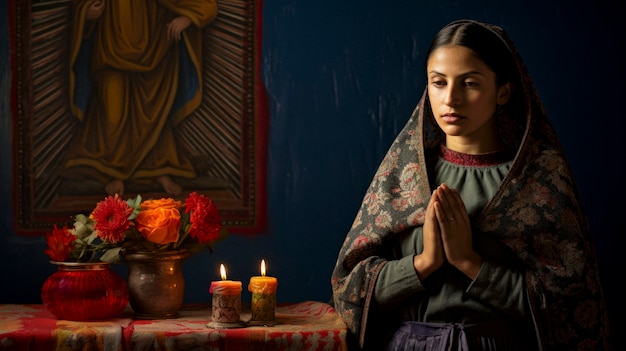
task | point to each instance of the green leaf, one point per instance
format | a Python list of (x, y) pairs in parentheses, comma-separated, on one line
[(193, 247), (90, 238), (111, 255), (134, 204)]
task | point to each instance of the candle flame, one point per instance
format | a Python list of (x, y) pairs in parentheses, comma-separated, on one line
[(263, 268), (223, 271)]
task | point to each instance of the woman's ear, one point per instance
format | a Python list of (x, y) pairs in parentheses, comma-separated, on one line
[(504, 93)]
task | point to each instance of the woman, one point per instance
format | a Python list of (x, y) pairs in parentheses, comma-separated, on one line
[(471, 235)]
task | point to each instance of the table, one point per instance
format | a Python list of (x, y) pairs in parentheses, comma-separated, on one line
[(308, 325)]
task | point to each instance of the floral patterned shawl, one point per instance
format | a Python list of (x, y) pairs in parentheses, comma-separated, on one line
[(536, 212)]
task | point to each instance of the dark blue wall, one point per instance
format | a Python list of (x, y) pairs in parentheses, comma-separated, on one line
[(342, 78)]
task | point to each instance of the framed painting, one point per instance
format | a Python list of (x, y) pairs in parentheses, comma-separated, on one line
[(104, 100)]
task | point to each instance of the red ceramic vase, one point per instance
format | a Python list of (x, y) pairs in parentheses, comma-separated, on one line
[(84, 291)]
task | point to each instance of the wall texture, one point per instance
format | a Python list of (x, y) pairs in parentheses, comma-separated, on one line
[(342, 79)]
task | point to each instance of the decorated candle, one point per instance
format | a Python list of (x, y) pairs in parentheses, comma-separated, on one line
[(263, 289), (226, 301)]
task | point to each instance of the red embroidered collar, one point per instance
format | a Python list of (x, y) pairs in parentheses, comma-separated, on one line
[(487, 159)]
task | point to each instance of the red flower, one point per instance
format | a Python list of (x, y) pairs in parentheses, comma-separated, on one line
[(111, 218), (60, 243), (204, 218)]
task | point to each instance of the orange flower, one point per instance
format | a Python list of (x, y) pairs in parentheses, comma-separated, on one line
[(159, 220), (60, 244)]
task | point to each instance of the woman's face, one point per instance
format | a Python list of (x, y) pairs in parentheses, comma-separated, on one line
[(463, 95)]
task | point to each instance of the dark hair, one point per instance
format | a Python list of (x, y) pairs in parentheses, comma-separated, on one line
[(486, 43)]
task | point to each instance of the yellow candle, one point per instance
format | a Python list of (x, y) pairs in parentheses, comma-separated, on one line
[(226, 301), (263, 289)]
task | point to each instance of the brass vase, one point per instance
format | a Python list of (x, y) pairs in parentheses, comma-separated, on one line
[(156, 284)]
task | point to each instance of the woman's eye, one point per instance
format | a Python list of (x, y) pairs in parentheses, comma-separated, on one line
[(439, 83), (471, 84)]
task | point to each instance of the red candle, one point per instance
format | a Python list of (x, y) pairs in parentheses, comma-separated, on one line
[(226, 301)]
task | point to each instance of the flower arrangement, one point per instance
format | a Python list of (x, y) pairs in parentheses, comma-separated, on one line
[(137, 225)]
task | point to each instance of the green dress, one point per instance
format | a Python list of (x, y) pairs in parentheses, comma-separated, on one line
[(448, 296)]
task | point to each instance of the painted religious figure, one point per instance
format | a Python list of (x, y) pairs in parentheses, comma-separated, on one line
[(135, 73)]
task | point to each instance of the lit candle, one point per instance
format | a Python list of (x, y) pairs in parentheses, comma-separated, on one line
[(226, 301), (263, 291)]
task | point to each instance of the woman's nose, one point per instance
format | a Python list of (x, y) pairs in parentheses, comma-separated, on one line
[(452, 97)]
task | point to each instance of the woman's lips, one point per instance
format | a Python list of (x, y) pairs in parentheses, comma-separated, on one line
[(451, 117)]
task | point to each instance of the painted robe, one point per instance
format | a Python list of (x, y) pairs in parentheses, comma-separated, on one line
[(130, 85)]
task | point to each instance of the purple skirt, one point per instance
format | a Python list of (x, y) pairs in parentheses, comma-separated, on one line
[(419, 336)]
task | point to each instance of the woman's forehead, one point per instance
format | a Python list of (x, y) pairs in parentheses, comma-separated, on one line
[(456, 60)]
